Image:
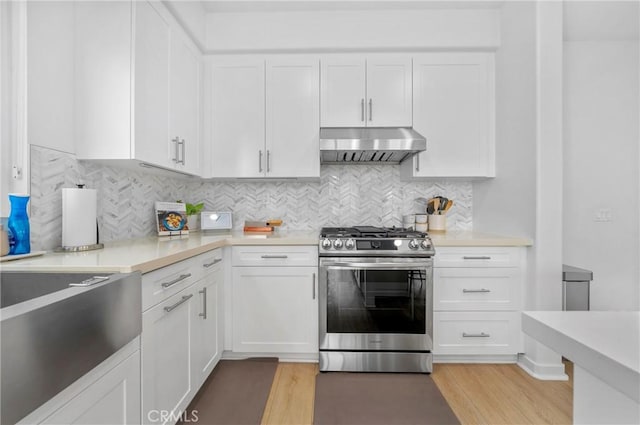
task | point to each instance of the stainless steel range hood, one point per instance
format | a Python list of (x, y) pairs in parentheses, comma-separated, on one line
[(374, 145)]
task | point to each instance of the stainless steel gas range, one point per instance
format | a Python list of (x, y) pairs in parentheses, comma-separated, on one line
[(375, 294)]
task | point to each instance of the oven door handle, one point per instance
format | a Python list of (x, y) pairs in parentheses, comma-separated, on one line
[(378, 266)]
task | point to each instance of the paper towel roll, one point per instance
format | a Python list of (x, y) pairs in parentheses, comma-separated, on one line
[(78, 217)]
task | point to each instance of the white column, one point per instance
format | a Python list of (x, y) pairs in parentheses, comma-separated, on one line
[(546, 255)]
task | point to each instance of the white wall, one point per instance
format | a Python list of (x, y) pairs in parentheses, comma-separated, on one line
[(506, 203), (352, 30), (601, 168)]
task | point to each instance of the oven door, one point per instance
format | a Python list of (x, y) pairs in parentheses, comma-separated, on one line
[(376, 304)]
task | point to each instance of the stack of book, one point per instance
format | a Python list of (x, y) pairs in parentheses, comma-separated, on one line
[(261, 226)]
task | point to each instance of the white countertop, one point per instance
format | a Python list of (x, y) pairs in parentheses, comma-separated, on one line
[(151, 253), (605, 343), (148, 254), (471, 238)]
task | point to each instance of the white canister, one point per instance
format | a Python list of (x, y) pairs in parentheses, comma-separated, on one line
[(421, 227), (408, 221), (421, 218), (437, 223)]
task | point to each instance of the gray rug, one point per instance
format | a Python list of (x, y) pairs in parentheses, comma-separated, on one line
[(235, 393), (379, 398)]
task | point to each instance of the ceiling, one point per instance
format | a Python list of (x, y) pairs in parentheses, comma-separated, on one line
[(265, 6)]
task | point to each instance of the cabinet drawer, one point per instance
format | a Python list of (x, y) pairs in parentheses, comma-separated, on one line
[(163, 283), (265, 256), (477, 257), (476, 289), (476, 332), (208, 262)]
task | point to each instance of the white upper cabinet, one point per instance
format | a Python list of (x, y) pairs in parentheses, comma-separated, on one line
[(292, 118), (184, 106), (344, 92), (372, 92), (137, 86), (151, 82), (453, 107), (265, 117), (237, 118)]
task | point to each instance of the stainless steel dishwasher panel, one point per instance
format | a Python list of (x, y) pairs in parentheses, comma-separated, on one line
[(51, 341)]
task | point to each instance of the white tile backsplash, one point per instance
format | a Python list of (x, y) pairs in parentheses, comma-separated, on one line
[(344, 195)]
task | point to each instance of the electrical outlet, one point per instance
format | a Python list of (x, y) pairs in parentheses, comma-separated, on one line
[(603, 215)]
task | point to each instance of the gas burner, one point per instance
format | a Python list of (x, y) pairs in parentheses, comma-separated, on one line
[(370, 240)]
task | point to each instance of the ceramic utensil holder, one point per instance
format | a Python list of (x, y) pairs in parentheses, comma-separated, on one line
[(437, 223)]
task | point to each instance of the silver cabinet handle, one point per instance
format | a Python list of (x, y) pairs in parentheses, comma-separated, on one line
[(370, 109), (183, 300), (313, 286), (475, 290), (268, 160), (91, 281), (204, 303), (175, 140), (176, 280), (362, 109), (182, 144), (480, 335), (216, 261), (418, 162), (478, 257), (260, 161), (275, 256)]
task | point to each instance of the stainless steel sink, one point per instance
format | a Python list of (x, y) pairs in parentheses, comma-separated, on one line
[(54, 333)]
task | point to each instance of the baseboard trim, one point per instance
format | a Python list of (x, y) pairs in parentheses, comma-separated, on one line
[(543, 372), (475, 358), (282, 357)]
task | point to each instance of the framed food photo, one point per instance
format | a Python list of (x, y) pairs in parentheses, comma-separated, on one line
[(171, 219)]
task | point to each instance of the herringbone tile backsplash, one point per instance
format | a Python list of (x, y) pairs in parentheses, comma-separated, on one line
[(344, 195)]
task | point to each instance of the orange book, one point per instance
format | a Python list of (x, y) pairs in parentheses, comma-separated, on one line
[(258, 229)]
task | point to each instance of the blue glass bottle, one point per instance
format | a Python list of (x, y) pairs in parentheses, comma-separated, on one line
[(18, 224)]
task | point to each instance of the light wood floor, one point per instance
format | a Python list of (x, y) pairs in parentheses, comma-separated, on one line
[(478, 394)]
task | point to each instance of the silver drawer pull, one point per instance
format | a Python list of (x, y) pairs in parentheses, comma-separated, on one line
[(184, 299), (204, 304), (480, 335), (91, 281), (478, 257), (176, 280), (275, 256), (313, 286), (216, 261), (466, 291)]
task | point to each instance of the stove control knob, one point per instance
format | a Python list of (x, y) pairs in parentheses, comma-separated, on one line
[(337, 244), (350, 244), (326, 244), (425, 244), (414, 244)]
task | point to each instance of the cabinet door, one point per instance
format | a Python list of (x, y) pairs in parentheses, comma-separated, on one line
[(292, 115), (453, 107), (343, 89), (275, 309), (389, 94), (207, 325), (112, 399), (238, 118), (166, 356), (151, 83), (185, 103)]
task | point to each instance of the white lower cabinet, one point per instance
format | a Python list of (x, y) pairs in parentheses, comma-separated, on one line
[(274, 300), (477, 299), (206, 332), (112, 399), (181, 340), (275, 309), (166, 356)]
